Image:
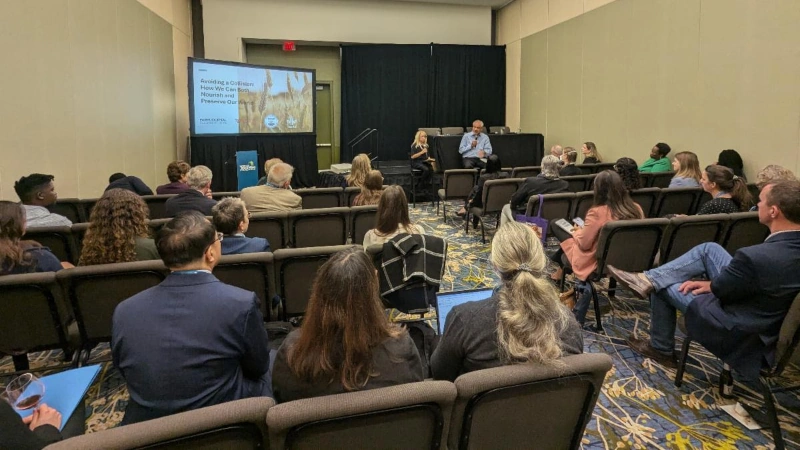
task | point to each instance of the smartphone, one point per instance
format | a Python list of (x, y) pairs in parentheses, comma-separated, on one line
[(578, 221)]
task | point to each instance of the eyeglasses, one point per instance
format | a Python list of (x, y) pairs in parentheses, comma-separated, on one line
[(219, 238)]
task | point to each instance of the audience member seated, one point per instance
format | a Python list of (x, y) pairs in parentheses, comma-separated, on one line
[(31, 433), (475, 146), (687, 170), (590, 153), (231, 218), (346, 342), (557, 151), (192, 341), (658, 161), (627, 170), (568, 159), (731, 159), (37, 192), (197, 197), (523, 322), (371, 190), (729, 191), (493, 172), (178, 173), (129, 183), (773, 173), (736, 313), (267, 167), (359, 170), (611, 202), (18, 256), (118, 231), (274, 196), (547, 182), (420, 159), (392, 218)]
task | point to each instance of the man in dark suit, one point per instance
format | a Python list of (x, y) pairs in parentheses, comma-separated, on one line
[(191, 341), (547, 182), (197, 197), (231, 218), (736, 315)]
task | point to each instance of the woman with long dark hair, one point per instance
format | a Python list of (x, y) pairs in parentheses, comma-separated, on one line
[(392, 218), (731, 159), (16, 255), (629, 172), (611, 202), (346, 342), (728, 191)]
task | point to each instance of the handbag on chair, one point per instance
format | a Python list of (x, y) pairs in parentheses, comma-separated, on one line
[(538, 223)]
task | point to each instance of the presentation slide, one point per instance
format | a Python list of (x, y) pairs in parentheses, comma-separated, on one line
[(232, 98)]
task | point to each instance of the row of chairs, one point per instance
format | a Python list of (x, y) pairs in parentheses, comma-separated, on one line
[(78, 210), (491, 408), (298, 229), (38, 308)]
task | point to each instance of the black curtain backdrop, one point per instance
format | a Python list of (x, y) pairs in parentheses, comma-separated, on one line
[(219, 154), (400, 88), (384, 87), (469, 83)]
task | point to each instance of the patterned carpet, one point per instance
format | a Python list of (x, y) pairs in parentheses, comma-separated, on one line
[(639, 406)]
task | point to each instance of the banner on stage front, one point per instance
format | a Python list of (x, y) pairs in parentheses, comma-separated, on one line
[(247, 168)]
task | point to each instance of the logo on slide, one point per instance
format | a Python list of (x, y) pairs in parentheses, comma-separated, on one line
[(249, 167), (271, 121), (291, 122)]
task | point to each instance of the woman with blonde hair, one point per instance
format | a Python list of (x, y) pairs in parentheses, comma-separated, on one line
[(371, 190), (359, 170), (346, 342), (392, 218), (118, 230), (523, 322), (420, 159), (687, 170), (590, 153)]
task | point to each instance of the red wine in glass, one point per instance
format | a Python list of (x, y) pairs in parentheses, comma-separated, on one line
[(28, 402)]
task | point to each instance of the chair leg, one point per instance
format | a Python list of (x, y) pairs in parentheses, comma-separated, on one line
[(483, 231), (596, 302), (612, 285), (726, 382), (413, 191), (682, 361), (21, 362), (466, 222), (772, 414)]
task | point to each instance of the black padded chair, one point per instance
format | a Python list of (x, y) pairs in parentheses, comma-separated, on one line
[(316, 198), (743, 230), (157, 205), (686, 232), (220, 195), (525, 171), (318, 227), (71, 208), (362, 219), (676, 201), (270, 226), (661, 179), (457, 184), (251, 272), (59, 240), (646, 198), (579, 183), (583, 201), (496, 194), (556, 206), (350, 194)]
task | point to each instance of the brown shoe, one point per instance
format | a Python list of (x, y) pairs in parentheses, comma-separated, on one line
[(635, 282), (643, 347), (568, 298)]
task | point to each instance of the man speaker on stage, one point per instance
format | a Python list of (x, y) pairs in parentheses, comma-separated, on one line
[(475, 147)]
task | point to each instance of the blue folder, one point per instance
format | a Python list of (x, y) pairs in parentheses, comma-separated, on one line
[(64, 390)]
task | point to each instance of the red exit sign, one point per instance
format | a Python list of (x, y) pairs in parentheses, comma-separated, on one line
[(289, 46)]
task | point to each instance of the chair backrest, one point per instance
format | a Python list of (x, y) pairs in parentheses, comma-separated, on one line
[(315, 198), (556, 206), (156, 224), (78, 234), (251, 272), (469, 128), (499, 130), (743, 230), (87, 204), (686, 232), (503, 407), (497, 193), (157, 205), (32, 317), (407, 416), (702, 199), (525, 171), (350, 193), (271, 226), (646, 198), (453, 130), (579, 183), (661, 179), (95, 291), (71, 208), (676, 201), (295, 269), (788, 338), (318, 227), (58, 239), (599, 167), (646, 179), (458, 183), (619, 237), (220, 195), (751, 187), (236, 425), (583, 201), (431, 131), (362, 219)]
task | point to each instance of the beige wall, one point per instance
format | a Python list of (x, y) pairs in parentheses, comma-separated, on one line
[(701, 75), (178, 13), (227, 22), (89, 91)]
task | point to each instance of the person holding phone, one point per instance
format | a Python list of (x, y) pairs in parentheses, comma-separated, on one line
[(475, 146)]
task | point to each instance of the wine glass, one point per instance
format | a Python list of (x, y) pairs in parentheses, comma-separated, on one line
[(25, 392)]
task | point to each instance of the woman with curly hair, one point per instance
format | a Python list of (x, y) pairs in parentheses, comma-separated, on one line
[(118, 230), (18, 256), (629, 172)]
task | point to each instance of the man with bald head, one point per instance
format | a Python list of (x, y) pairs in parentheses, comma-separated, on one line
[(556, 151), (475, 147)]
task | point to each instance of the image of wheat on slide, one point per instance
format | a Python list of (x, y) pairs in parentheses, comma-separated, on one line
[(282, 105)]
